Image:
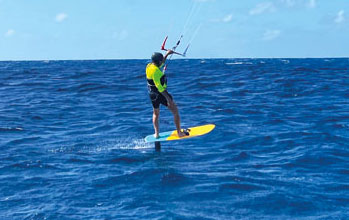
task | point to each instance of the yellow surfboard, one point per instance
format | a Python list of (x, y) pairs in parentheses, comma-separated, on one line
[(172, 135)]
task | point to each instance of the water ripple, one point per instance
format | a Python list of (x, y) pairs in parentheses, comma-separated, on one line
[(71, 140)]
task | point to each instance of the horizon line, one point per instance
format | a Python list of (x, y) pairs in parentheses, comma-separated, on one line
[(201, 58)]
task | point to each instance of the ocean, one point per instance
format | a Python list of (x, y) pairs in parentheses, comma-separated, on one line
[(72, 140)]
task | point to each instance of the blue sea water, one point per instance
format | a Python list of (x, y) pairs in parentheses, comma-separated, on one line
[(71, 140)]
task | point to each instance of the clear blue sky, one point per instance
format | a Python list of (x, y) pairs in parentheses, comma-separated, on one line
[(127, 29)]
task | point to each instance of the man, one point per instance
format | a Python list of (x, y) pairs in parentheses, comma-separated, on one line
[(157, 84)]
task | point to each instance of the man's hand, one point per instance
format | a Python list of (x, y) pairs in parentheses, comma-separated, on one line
[(170, 102), (169, 52)]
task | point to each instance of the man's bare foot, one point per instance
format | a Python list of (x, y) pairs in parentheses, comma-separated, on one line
[(181, 134), (156, 136)]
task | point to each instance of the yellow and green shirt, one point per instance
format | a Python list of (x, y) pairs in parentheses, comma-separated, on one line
[(157, 81)]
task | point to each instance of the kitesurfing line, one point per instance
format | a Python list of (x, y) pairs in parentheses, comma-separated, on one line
[(195, 8)]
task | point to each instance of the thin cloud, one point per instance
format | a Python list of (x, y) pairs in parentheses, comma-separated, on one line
[(271, 35), (289, 3), (262, 8), (227, 18), (9, 33), (122, 35), (312, 4), (299, 3), (340, 17), (61, 17), (203, 0)]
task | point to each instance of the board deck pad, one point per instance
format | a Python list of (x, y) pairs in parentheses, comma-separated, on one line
[(172, 135)]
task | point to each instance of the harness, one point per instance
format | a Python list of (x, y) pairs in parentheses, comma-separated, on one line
[(151, 84)]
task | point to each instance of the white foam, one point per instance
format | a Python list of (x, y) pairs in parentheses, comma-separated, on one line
[(118, 144), (239, 63), (235, 63), (137, 144)]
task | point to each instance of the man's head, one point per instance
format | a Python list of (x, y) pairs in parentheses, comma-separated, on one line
[(157, 58)]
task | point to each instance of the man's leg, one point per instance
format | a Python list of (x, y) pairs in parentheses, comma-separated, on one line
[(156, 114), (177, 119)]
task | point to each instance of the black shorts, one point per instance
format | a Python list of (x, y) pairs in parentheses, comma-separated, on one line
[(157, 99)]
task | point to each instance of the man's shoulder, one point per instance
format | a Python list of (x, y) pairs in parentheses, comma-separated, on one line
[(152, 67)]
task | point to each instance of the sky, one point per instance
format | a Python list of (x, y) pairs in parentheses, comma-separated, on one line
[(134, 29)]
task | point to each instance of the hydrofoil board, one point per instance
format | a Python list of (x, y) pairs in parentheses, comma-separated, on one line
[(172, 135)]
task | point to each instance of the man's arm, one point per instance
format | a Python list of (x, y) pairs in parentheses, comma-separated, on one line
[(169, 52)]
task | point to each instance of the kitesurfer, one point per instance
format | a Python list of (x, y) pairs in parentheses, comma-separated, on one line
[(157, 87)]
